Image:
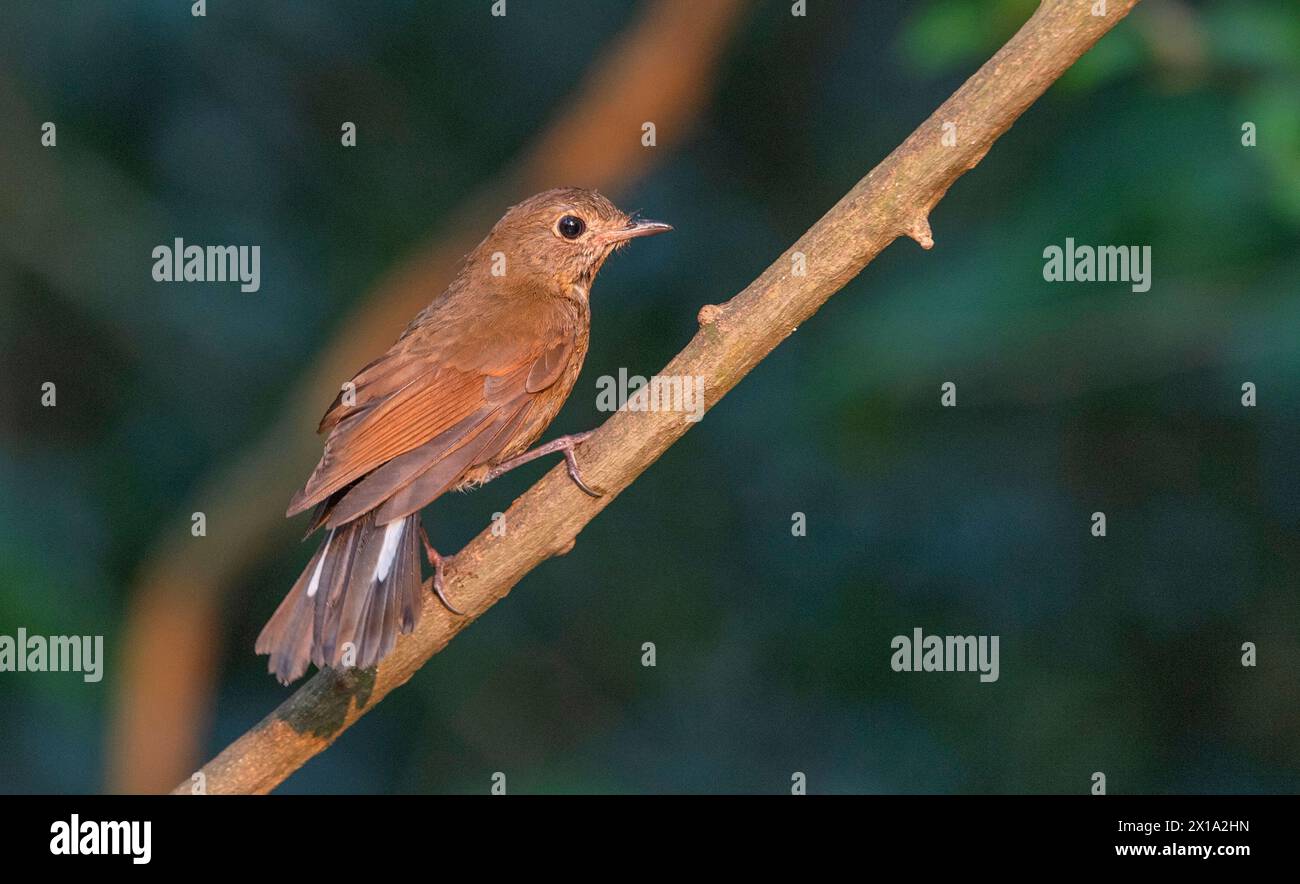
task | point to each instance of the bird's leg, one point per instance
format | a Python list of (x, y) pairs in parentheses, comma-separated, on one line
[(565, 444), (437, 561)]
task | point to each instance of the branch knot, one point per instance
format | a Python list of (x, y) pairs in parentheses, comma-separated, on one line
[(919, 230), (709, 314)]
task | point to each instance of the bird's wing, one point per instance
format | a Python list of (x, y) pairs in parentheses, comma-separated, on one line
[(418, 412)]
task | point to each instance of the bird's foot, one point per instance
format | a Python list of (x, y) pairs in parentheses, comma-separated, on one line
[(438, 562), (565, 444)]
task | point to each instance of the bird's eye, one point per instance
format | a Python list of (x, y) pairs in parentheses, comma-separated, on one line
[(571, 226)]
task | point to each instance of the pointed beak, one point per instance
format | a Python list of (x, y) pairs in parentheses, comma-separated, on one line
[(638, 227)]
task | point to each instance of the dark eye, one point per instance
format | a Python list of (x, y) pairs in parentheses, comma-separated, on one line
[(571, 226)]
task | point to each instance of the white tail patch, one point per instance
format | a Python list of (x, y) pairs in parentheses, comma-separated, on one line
[(315, 575), (388, 552)]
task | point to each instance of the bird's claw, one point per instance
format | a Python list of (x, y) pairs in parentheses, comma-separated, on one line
[(576, 475), (438, 562)]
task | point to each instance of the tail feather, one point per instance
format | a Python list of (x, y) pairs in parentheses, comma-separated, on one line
[(287, 635), (357, 594)]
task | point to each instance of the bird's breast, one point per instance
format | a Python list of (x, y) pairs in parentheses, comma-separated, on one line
[(546, 404)]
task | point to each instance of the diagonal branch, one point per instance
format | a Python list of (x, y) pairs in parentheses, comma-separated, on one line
[(893, 200)]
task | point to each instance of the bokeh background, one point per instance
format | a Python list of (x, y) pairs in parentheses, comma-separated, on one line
[(1119, 654)]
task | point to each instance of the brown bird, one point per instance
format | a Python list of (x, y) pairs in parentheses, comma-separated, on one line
[(455, 402)]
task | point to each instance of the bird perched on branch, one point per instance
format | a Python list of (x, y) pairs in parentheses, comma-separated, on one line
[(473, 381)]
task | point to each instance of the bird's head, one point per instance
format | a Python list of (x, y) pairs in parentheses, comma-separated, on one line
[(560, 238)]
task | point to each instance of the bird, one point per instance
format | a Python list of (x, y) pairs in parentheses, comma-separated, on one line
[(456, 401)]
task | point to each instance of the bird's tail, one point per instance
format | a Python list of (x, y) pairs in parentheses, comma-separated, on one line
[(356, 594)]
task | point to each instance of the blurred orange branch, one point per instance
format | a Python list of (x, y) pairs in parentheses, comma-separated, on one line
[(894, 199)]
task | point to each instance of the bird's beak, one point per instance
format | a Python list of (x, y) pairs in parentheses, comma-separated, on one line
[(637, 227)]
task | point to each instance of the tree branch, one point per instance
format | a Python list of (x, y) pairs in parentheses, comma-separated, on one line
[(893, 200)]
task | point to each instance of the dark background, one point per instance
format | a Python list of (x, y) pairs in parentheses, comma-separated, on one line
[(1119, 654)]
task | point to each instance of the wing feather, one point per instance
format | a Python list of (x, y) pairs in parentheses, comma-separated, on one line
[(418, 420)]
